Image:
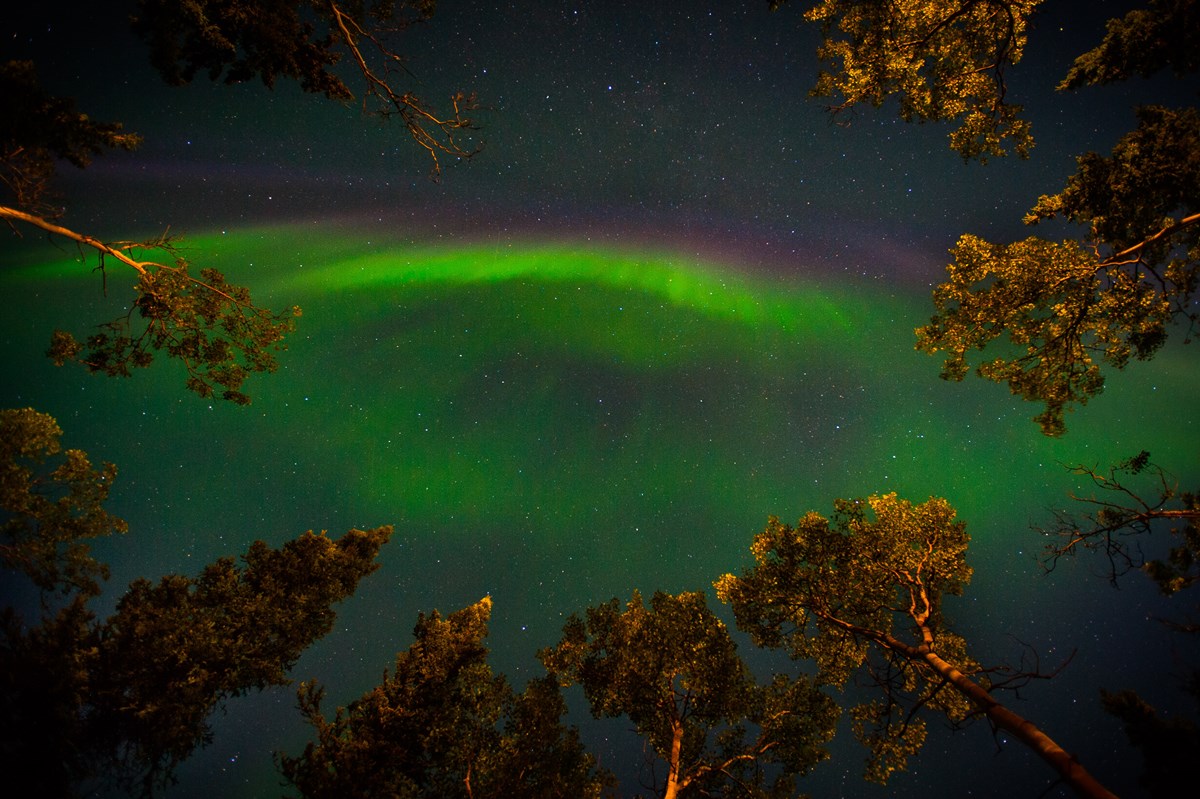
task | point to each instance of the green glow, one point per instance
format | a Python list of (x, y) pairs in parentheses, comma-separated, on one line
[(527, 387), (551, 432), (593, 397), (675, 280), (615, 297)]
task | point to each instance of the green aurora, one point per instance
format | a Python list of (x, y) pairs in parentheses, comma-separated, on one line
[(555, 424), (541, 385)]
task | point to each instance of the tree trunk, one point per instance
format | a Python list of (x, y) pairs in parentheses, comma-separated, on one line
[(673, 784), (1025, 731), (1028, 733)]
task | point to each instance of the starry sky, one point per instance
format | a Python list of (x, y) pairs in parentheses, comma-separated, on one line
[(667, 300)]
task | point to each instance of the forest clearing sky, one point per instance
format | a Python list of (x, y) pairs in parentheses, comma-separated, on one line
[(689, 122), (668, 299)]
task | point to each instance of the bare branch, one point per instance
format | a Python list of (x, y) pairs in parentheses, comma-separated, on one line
[(1122, 517), (438, 135), (14, 214)]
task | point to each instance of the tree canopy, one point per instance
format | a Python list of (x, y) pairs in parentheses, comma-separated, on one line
[(200, 641), (235, 41), (1050, 313), (50, 514), (212, 327), (1047, 314), (862, 595), (674, 671), (943, 60), (40, 129), (126, 699), (1047, 317), (443, 725), (1063, 308), (1128, 502), (195, 316)]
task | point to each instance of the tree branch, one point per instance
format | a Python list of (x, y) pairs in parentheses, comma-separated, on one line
[(1129, 516), (437, 135), (13, 214), (1187, 221), (210, 326)]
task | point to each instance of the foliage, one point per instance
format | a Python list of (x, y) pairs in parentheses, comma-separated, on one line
[(1066, 307), (235, 42), (1181, 568), (129, 697), (942, 60), (50, 514), (199, 319), (44, 676), (202, 641), (1133, 500), (1169, 745), (1148, 182), (443, 725), (828, 592), (47, 516), (37, 128), (1049, 313), (1061, 306), (125, 700), (862, 597), (1143, 42), (674, 671), (207, 324)]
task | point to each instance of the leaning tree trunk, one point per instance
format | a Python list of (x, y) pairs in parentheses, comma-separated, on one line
[(1025, 731)]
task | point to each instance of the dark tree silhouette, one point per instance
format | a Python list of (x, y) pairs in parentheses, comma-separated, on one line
[(126, 699), (441, 726)]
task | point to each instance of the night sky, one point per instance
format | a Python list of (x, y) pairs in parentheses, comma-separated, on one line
[(667, 300)]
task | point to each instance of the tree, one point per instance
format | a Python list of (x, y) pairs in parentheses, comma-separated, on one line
[(303, 40), (200, 641), (51, 505), (125, 700), (197, 318), (1169, 745), (1065, 307), (50, 514), (209, 325), (862, 596), (944, 60), (443, 725), (40, 129), (674, 671), (1049, 313)]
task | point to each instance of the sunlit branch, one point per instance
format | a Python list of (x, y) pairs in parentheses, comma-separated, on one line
[(121, 250), (12, 214), (436, 134), (210, 326), (1166, 231)]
